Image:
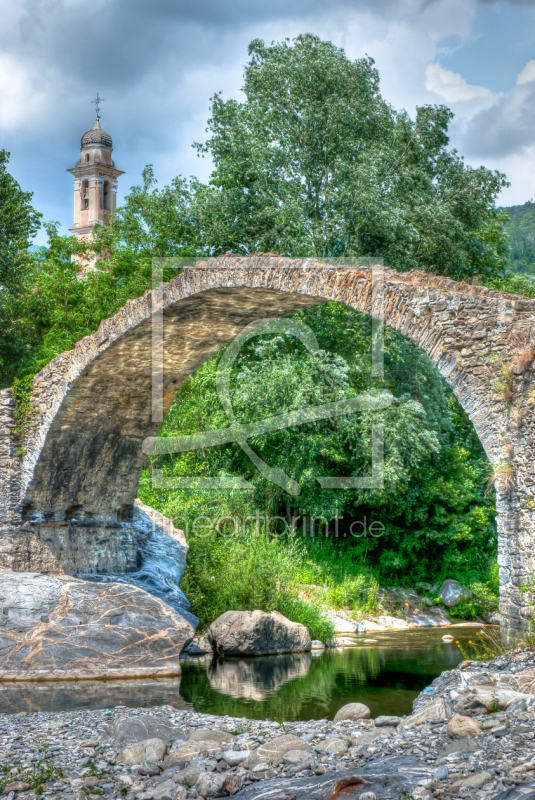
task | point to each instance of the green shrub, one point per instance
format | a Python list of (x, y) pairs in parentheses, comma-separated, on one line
[(356, 592), (246, 573), (309, 614), (484, 598)]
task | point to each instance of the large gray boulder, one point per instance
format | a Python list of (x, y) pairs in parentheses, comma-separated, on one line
[(451, 593), (256, 633), (55, 627)]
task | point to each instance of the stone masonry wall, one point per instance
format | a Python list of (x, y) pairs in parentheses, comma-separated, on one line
[(56, 548), (10, 471), (84, 445)]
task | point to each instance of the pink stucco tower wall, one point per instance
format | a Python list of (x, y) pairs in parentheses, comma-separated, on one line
[(95, 181)]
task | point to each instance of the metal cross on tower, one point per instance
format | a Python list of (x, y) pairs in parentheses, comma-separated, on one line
[(97, 101)]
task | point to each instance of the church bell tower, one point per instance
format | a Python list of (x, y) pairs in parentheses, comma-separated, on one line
[(95, 180)]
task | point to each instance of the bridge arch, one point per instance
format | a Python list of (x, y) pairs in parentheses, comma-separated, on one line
[(83, 445)]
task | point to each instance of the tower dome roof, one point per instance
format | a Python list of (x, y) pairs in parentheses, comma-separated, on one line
[(96, 136)]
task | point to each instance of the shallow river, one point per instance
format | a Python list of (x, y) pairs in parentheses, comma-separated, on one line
[(386, 676)]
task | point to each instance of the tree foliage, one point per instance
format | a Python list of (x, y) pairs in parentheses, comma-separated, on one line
[(315, 163), (19, 222), (519, 225)]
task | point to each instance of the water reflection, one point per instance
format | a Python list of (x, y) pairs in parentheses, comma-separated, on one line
[(72, 695), (257, 678), (385, 676)]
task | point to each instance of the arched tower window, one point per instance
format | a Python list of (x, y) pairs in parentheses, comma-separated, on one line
[(107, 196), (85, 194), (87, 156)]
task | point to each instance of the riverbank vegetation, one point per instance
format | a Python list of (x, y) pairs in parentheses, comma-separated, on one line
[(313, 163)]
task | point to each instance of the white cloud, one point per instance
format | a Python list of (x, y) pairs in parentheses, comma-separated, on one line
[(520, 171), (508, 126), (452, 87), (22, 93), (527, 74)]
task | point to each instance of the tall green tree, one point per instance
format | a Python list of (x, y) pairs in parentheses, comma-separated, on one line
[(19, 222), (316, 163)]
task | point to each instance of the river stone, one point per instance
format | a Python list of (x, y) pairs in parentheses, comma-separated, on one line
[(164, 791), (502, 697), (352, 711), (523, 681), (274, 750), (187, 751), (382, 721), (61, 627), (372, 736), (256, 633), (295, 757), (235, 757), (210, 736), (474, 782), (130, 730), (460, 727), (211, 784), (192, 772), (451, 593), (342, 625), (148, 752), (458, 746), (335, 745), (233, 784), (433, 709), (442, 773), (194, 650), (16, 786)]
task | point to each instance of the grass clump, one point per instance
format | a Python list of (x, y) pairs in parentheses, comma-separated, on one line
[(36, 777)]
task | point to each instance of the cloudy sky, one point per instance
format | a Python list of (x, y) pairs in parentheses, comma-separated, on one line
[(158, 62)]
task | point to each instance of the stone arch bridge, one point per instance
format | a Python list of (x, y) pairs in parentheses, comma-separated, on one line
[(77, 481)]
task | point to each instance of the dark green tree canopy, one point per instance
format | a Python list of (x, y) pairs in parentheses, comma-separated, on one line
[(19, 222), (315, 162)]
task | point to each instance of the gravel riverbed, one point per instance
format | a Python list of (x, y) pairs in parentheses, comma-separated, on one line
[(471, 736)]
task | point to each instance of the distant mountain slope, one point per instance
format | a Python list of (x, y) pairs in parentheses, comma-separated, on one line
[(521, 230)]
